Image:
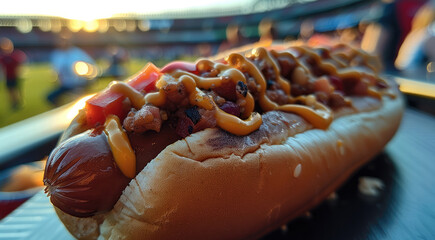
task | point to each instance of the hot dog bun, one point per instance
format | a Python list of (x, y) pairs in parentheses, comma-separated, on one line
[(226, 149), (241, 187)]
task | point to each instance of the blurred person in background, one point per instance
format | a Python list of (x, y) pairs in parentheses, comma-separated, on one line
[(204, 49), (418, 46), (234, 38), (351, 36), (388, 34), (117, 57), (306, 31), (66, 61), (267, 31), (11, 60)]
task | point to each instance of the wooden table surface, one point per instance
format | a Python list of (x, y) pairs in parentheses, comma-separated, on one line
[(404, 209)]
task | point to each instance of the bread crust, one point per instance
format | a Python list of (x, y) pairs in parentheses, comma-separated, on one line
[(196, 189)]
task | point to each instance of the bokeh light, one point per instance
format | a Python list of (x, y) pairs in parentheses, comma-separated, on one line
[(24, 25), (75, 25), (91, 26), (85, 70)]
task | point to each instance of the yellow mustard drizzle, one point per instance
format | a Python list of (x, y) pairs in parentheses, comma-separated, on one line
[(333, 59), (329, 66), (371, 91), (349, 53), (226, 73), (317, 114), (335, 66), (158, 99), (240, 62), (196, 96), (136, 98), (224, 120), (264, 54), (193, 83), (120, 145), (236, 125)]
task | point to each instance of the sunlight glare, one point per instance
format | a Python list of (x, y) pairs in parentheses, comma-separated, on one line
[(86, 10), (75, 25), (91, 26), (81, 68), (74, 110), (85, 70), (416, 87)]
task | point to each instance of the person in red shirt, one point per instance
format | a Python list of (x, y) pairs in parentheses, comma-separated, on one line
[(11, 60)]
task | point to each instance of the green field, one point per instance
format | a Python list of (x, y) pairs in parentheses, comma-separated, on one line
[(37, 81)]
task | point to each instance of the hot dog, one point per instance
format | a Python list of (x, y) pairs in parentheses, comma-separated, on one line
[(220, 149)]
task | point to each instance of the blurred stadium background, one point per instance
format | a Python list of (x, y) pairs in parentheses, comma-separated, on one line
[(177, 33), (188, 33)]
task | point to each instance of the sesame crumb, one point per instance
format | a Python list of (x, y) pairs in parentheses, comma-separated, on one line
[(297, 171), (370, 186)]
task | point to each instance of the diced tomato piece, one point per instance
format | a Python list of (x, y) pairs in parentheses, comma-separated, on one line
[(145, 80), (179, 65), (102, 105), (106, 103)]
